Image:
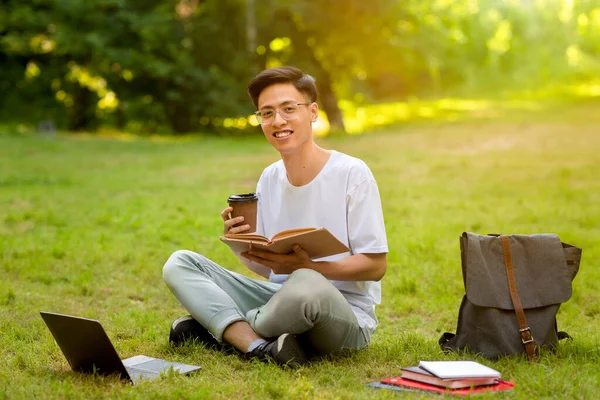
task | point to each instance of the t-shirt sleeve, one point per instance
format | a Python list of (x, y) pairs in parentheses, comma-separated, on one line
[(366, 228)]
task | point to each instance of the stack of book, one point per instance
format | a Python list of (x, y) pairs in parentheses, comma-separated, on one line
[(452, 377)]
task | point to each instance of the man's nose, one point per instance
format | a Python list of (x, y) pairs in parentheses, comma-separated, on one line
[(278, 120)]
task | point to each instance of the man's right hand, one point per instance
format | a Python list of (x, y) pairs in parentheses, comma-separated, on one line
[(228, 222)]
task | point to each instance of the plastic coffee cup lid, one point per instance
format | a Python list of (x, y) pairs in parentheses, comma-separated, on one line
[(243, 198)]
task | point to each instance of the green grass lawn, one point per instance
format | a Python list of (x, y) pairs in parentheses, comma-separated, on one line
[(86, 224)]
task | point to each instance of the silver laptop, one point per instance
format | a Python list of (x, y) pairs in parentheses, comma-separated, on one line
[(88, 349)]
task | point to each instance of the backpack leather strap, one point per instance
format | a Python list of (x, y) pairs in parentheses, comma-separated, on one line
[(524, 330)]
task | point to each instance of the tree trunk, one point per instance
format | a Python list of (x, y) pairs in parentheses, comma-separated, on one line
[(330, 103), (82, 113), (328, 98), (120, 116), (251, 37), (178, 117), (251, 26)]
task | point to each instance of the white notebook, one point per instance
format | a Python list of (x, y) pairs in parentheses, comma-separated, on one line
[(458, 369)]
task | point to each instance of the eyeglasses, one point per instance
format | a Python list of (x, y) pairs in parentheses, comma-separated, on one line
[(288, 112)]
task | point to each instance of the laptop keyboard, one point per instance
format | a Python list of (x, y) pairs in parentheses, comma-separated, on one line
[(142, 367), (138, 373), (154, 365)]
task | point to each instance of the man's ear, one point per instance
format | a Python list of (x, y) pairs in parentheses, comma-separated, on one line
[(314, 112)]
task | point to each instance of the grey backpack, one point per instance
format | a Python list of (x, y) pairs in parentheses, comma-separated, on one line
[(514, 286)]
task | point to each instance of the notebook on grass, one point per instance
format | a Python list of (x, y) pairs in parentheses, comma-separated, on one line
[(420, 375), (401, 384), (88, 349), (458, 369)]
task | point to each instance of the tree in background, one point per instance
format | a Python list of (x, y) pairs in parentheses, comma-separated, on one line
[(333, 40), (182, 65), (157, 62)]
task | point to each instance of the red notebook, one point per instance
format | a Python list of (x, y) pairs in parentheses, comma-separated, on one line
[(414, 385)]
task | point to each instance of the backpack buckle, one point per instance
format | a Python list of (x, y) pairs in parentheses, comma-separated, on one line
[(526, 336)]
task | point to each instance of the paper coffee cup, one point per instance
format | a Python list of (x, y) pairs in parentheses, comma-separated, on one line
[(244, 205)]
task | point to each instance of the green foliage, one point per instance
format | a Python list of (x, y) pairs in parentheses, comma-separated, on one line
[(181, 66), (131, 60), (86, 224)]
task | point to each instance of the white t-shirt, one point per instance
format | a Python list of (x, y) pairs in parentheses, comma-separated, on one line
[(343, 198)]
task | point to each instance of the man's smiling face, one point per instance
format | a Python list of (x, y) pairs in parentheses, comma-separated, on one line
[(287, 136)]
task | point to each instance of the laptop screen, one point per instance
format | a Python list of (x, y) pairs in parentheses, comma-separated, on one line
[(85, 344)]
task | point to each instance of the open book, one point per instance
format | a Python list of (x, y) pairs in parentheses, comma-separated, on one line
[(317, 243)]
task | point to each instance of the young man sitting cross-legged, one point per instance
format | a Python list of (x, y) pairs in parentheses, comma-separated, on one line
[(307, 307)]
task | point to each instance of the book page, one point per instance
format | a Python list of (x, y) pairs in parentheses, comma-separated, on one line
[(248, 236), (318, 243), (291, 232)]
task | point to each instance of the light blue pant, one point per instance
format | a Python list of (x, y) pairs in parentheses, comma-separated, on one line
[(307, 304)]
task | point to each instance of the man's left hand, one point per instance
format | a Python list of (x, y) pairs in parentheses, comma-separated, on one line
[(280, 263)]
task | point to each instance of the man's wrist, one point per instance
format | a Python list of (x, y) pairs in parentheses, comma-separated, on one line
[(319, 266)]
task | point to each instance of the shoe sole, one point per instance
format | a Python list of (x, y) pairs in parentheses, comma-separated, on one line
[(177, 339), (289, 351), (197, 334)]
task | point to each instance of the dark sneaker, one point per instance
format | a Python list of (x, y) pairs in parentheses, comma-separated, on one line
[(186, 328), (284, 350)]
